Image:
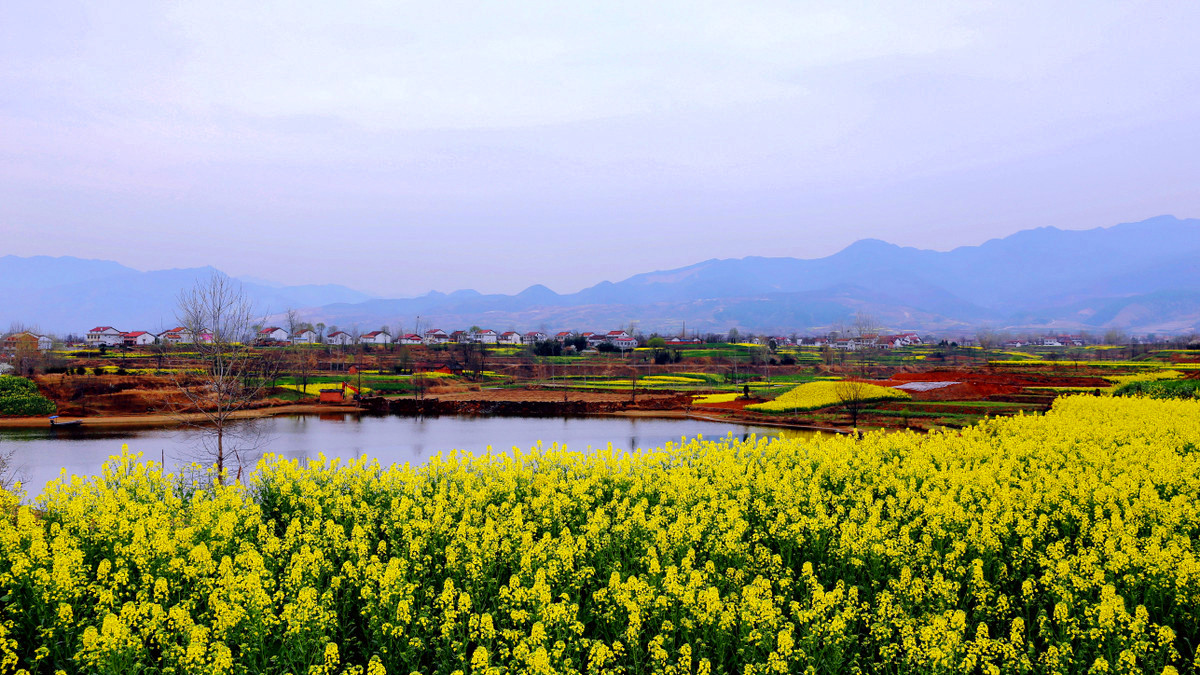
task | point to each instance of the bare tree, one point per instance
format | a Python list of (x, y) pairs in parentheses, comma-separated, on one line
[(226, 382), (865, 324), (291, 321), (852, 394)]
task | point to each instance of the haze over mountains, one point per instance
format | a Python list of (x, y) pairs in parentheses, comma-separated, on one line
[(1140, 277)]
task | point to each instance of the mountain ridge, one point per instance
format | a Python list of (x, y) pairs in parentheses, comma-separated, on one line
[(1141, 276)]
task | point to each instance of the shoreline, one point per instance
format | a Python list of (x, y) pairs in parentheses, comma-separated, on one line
[(162, 420), (168, 420)]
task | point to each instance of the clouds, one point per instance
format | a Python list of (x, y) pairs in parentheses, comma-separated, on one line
[(597, 139)]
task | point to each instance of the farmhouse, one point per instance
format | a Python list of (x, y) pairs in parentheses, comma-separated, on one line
[(436, 336), (510, 337), (620, 339), (375, 337), (174, 336), (182, 336), (564, 336), (409, 339), (105, 335), (486, 336), (305, 337), (272, 334), (139, 338), (533, 337), (339, 337), (26, 341)]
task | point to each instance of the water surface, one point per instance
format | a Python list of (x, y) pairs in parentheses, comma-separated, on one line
[(38, 455)]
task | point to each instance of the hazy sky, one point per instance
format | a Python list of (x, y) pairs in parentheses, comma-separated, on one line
[(399, 147)]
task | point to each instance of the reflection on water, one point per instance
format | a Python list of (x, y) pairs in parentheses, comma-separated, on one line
[(39, 454)]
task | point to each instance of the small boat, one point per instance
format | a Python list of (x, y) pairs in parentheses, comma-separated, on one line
[(72, 423)]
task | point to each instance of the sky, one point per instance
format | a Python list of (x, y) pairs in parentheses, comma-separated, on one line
[(401, 147)]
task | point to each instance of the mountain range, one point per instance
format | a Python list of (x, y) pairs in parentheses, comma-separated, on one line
[(1139, 277)]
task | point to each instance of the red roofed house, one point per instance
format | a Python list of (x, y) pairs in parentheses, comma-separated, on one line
[(436, 336), (339, 337), (375, 337), (272, 334), (410, 339), (533, 337), (139, 338), (510, 337), (105, 335), (486, 336), (620, 339)]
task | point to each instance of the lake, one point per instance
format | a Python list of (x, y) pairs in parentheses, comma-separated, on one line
[(38, 455)]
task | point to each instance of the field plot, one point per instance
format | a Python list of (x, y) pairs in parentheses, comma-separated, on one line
[(1066, 542)]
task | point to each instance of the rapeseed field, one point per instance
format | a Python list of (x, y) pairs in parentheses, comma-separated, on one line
[(823, 394), (1062, 543)]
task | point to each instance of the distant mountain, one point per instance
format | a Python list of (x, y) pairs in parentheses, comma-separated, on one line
[(1137, 276), (1140, 277), (71, 295)]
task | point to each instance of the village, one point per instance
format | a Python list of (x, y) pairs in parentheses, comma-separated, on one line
[(621, 340)]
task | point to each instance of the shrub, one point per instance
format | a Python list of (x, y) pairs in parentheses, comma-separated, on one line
[(19, 396)]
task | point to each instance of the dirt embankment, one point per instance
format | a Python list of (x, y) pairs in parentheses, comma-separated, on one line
[(170, 420)]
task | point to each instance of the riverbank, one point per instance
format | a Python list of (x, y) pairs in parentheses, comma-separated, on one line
[(582, 405), (162, 420)]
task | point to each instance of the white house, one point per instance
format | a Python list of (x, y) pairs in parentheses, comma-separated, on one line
[(139, 338), (272, 334), (305, 337), (595, 339), (182, 336), (105, 335), (375, 337), (620, 339), (173, 336), (410, 339), (486, 336), (510, 337), (564, 336), (533, 336), (436, 336), (339, 337)]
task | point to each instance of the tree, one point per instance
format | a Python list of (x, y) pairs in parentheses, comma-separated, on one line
[(658, 347), (852, 394), (291, 321), (226, 382)]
